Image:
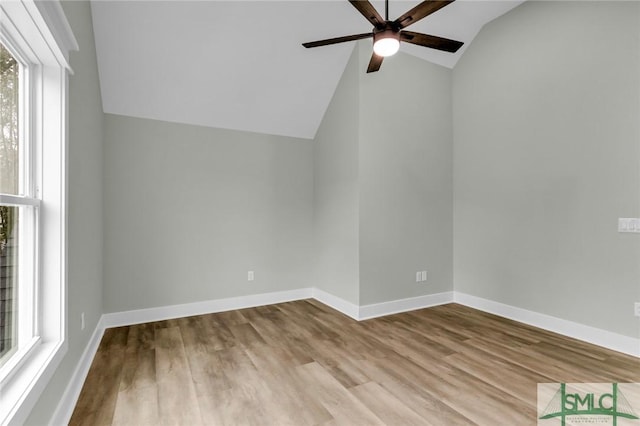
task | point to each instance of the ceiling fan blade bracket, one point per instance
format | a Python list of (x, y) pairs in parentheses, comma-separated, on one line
[(404, 22), (422, 10), (370, 13), (406, 37), (433, 42)]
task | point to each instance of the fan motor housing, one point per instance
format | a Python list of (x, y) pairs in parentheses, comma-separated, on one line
[(388, 31)]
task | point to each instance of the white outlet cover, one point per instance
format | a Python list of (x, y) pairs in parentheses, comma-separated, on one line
[(629, 224), (424, 275)]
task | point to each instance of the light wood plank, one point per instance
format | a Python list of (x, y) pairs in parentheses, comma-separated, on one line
[(176, 392), (342, 405), (387, 407), (137, 400)]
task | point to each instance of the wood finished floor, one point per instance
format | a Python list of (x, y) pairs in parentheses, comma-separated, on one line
[(302, 363)]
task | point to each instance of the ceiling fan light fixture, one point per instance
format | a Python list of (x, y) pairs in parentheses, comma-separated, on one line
[(386, 43)]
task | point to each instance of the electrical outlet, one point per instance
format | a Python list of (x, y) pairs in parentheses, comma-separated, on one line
[(418, 276), (250, 276), (629, 224), (424, 275), (82, 321), (636, 309)]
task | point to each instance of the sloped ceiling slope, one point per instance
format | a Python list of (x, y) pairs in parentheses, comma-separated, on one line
[(240, 64)]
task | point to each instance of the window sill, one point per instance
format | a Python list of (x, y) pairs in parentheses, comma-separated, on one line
[(21, 390), (16, 359)]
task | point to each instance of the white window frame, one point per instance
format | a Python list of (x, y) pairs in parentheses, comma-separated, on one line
[(26, 333), (40, 34)]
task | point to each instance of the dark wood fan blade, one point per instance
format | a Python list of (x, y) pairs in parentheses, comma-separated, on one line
[(374, 63), (368, 11), (433, 42), (337, 40), (422, 10)]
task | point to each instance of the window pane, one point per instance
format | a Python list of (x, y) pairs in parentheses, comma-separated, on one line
[(9, 124), (9, 239)]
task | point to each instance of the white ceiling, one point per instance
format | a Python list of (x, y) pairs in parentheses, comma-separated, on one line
[(240, 64)]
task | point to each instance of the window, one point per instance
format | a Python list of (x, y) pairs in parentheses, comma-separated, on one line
[(18, 212), (9, 94), (35, 39)]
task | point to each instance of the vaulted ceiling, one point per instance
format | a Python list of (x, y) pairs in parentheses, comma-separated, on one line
[(240, 64)]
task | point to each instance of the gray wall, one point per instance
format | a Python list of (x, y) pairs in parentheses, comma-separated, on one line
[(84, 206), (189, 210), (547, 149), (383, 182), (405, 163), (335, 191)]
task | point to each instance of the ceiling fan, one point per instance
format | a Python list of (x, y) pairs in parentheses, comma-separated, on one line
[(387, 34)]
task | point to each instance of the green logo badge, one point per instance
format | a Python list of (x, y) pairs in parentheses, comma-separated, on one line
[(588, 403)]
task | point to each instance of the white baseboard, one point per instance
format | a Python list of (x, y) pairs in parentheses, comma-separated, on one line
[(604, 338), (404, 305), (582, 332), (140, 316), (64, 410), (337, 303)]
